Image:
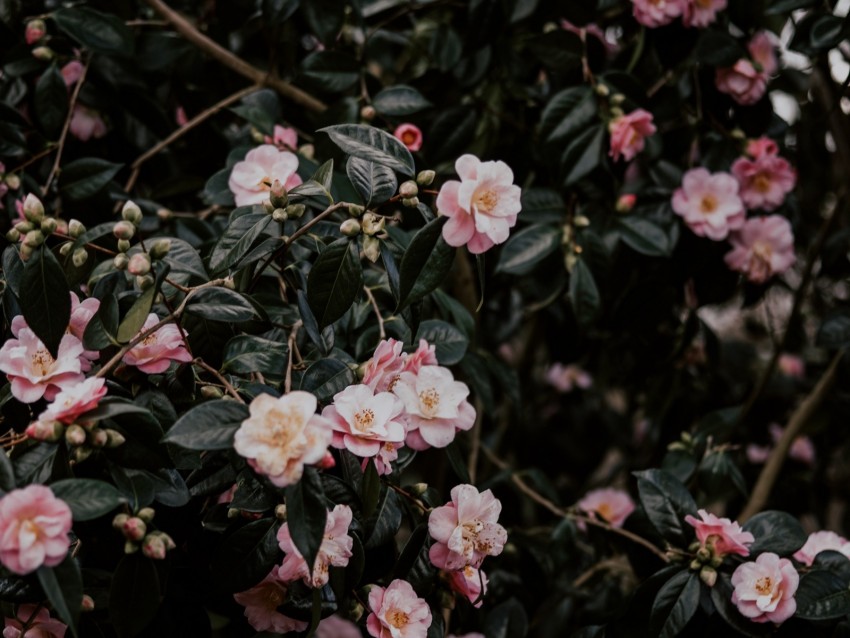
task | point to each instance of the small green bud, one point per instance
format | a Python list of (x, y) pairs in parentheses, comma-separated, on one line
[(33, 209), (26, 252), (425, 178), (160, 248), (307, 150), (80, 257), (34, 239), (24, 227), (350, 228), (123, 245), (131, 213), (602, 90), (703, 555), (617, 99), (580, 221), (616, 112), (76, 228), (408, 189), (371, 248), (257, 135), (280, 512), (708, 575), (295, 211), (124, 229), (355, 210), (229, 283), (13, 235), (410, 202), (738, 134), (279, 215), (114, 438), (368, 113), (43, 53), (164, 214), (146, 514), (695, 565), (13, 181), (48, 225), (120, 261), (75, 435), (119, 520), (130, 547), (373, 224), (211, 392), (277, 195), (144, 282), (65, 248)]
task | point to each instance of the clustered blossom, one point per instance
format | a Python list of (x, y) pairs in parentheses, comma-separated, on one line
[(761, 248), (335, 550), (38, 621), (746, 81), (610, 504), (382, 370), (252, 178), (409, 135), (34, 527), (482, 207), (155, 352), (629, 133), (261, 603), (764, 177), (764, 589), (720, 535), (709, 203), (397, 612), (822, 541)]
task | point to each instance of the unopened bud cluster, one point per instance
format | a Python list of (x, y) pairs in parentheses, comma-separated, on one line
[(154, 544), (139, 264), (569, 240), (36, 227), (83, 438)]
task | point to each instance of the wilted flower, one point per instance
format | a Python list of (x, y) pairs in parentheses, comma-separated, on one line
[(86, 123), (72, 72), (397, 612), (335, 550), (252, 179), (763, 247), (721, 535), (628, 133), (701, 13), (765, 588), (261, 603), (34, 527), (470, 583), (566, 378), (709, 203)]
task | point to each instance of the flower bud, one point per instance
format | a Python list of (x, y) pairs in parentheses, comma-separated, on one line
[(154, 547), (49, 225), (160, 248), (33, 209), (371, 248), (626, 203), (80, 257), (124, 229), (708, 575), (327, 462), (355, 210), (146, 514), (257, 135), (76, 228), (570, 261), (277, 195), (45, 431), (164, 214), (98, 437), (280, 512), (616, 112), (119, 520), (229, 283), (580, 221), (295, 211), (410, 202), (43, 53), (211, 392), (279, 215), (350, 228), (602, 90), (87, 604), (139, 264), (120, 261), (34, 239), (408, 189), (13, 235), (617, 99), (169, 542), (24, 227), (232, 512), (355, 611), (368, 113), (130, 547), (35, 31), (123, 245), (13, 181), (144, 282), (26, 252), (373, 224), (114, 438), (738, 134), (134, 528), (131, 213), (75, 435), (703, 555), (695, 564), (307, 150), (425, 178)]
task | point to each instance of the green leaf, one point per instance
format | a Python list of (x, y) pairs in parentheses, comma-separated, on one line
[(334, 281), (327, 377), (220, 304), (262, 109), (330, 71), (371, 489), (237, 239), (457, 462), (100, 32), (325, 18), (507, 620), (306, 515), (400, 100), (450, 342), (425, 264), (372, 144), (783, 6), (245, 354), (376, 183), (675, 604), (86, 177), (567, 112), (51, 102), (776, 532), (834, 332), (666, 502), (385, 520), (45, 299), (208, 426), (103, 326), (718, 48), (827, 32), (822, 595), (279, 11), (644, 236), (527, 248), (13, 269), (63, 586), (245, 557), (134, 595), (88, 498), (583, 154), (7, 474), (584, 294), (136, 316), (111, 407)]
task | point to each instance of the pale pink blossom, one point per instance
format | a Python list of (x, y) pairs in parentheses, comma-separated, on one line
[(409, 135), (792, 365), (34, 527), (335, 550), (281, 435), (470, 583), (802, 449), (41, 625), (261, 603), (397, 612), (765, 181), (81, 314), (566, 378), (720, 535), (435, 405), (761, 147), (283, 137), (763, 247), (465, 530), (252, 179), (75, 400), (424, 355), (337, 627), (363, 420), (482, 207), (155, 352), (764, 589), (383, 368), (86, 123), (746, 81), (629, 133), (656, 13), (32, 370), (822, 541), (72, 72), (384, 458), (709, 203), (610, 504), (701, 13)]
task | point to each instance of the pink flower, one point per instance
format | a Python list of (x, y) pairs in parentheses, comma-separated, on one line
[(792, 365), (628, 133), (86, 123), (709, 203), (435, 405), (81, 314), (765, 181), (252, 178), (337, 627), (424, 355), (701, 13), (764, 589), (34, 31), (261, 603), (156, 352), (285, 138), (470, 583), (762, 248), (721, 535), (180, 117), (747, 80), (611, 505), (410, 136), (820, 542), (282, 435), (656, 13), (761, 147), (626, 202), (33, 371), (566, 378), (802, 448), (335, 550), (397, 612), (41, 625), (75, 400), (363, 421), (72, 72), (34, 527), (382, 370), (482, 207), (465, 530), (384, 458)]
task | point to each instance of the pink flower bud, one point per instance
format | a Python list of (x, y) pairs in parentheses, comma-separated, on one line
[(134, 528), (123, 230), (154, 547), (35, 31), (327, 462), (75, 435), (44, 430), (139, 265), (626, 202), (87, 603)]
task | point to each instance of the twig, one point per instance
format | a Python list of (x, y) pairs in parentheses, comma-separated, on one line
[(290, 346), (228, 386), (216, 51), (472, 462), (770, 471), (43, 153), (410, 497), (381, 331)]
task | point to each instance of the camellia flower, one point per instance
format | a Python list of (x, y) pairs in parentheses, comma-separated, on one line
[(470, 583), (721, 535), (435, 405), (482, 207), (764, 589), (72, 72), (384, 458), (792, 365), (252, 179), (628, 133), (761, 147), (762, 248), (701, 13), (656, 13), (382, 371), (34, 527), (86, 123), (410, 135), (261, 603), (424, 355), (81, 314), (156, 351), (38, 621), (802, 449), (363, 421), (465, 530), (34, 31), (283, 137), (282, 435), (709, 203), (566, 378), (612, 505), (764, 181), (747, 80), (397, 612), (75, 400), (337, 627), (33, 371), (820, 542), (335, 550)]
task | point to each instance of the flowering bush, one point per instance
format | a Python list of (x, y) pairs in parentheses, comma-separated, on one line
[(424, 319)]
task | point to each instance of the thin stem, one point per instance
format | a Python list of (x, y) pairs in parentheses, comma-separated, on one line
[(43, 153), (472, 463), (290, 347), (227, 385), (381, 331)]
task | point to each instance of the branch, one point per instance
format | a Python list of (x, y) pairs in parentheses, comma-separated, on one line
[(219, 53), (290, 343), (228, 386), (381, 331)]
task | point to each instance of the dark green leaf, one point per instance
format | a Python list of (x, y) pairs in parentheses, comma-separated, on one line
[(326, 377), (134, 595), (86, 177), (782, 6), (506, 620), (100, 32), (208, 426), (371, 489), (334, 281), (584, 294), (237, 239), (527, 248), (13, 269), (51, 102), (370, 143), (330, 71), (718, 48), (7, 474), (306, 514), (247, 556), (111, 407), (245, 354), (46, 299), (834, 332), (102, 328), (279, 11), (675, 604), (568, 112), (827, 32), (376, 183), (457, 462), (666, 502), (136, 316), (822, 595), (385, 520), (450, 342), (262, 109), (426, 263), (583, 154), (220, 304), (63, 586), (88, 498), (776, 532), (400, 100), (644, 236), (325, 18)]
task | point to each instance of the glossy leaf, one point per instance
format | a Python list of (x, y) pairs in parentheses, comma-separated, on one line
[(376, 183), (676, 603), (450, 343), (245, 354), (63, 586), (644, 236), (776, 532), (370, 143), (666, 502), (400, 100), (334, 281), (51, 102), (584, 294), (45, 299), (425, 265), (525, 249), (86, 177), (220, 304), (88, 498), (822, 595), (306, 515), (100, 32), (237, 239), (245, 557), (134, 595), (208, 426)]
